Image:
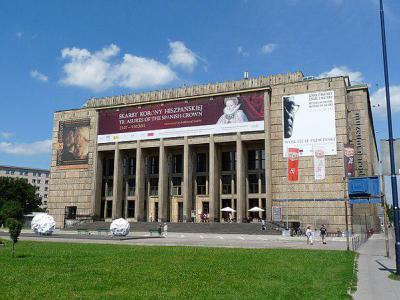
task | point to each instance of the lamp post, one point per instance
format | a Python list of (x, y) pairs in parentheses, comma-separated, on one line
[(391, 148)]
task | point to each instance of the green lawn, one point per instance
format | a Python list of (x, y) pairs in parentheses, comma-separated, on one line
[(71, 271)]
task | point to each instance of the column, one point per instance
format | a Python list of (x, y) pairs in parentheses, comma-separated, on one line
[(240, 179), (139, 184), (117, 181), (163, 184), (268, 164), (187, 181), (213, 181), (96, 200)]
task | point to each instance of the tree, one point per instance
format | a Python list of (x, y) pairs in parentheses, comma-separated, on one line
[(16, 192), (14, 227)]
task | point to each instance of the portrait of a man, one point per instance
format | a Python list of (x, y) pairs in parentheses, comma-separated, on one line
[(289, 110), (73, 142), (232, 112)]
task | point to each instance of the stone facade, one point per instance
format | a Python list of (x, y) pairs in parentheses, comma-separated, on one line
[(97, 191)]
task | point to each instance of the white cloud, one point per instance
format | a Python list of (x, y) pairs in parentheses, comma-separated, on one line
[(355, 76), (268, 48), (6, 135), (39, 76), (378, 100), (19, 34), (242, 52), (182, 57), (97, 71), (26, 149)]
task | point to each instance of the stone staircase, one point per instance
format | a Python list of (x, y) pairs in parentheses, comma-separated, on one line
[(222, 228)]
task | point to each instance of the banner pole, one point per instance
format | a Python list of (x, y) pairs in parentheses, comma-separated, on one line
[(346, 216)]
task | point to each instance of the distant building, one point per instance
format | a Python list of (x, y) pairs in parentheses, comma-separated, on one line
[(37, 177)]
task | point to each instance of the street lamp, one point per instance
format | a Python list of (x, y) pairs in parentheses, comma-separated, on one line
[(391, 148)]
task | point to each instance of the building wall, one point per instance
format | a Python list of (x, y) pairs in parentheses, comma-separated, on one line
[(36, 177), (306, 201)]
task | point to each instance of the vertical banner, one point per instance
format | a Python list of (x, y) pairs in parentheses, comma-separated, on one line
[(319, 164), (293, 164), (348, 158), (276, 213)]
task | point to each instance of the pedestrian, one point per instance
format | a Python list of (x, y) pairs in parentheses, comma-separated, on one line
[(322, 232), (263, 226), (309, 235)]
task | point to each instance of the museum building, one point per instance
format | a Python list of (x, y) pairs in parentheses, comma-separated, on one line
[(187, 154)]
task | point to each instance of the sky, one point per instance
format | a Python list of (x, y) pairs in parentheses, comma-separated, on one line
[(58, 54)]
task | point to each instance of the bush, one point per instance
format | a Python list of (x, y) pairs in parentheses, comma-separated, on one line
[(14, 227)]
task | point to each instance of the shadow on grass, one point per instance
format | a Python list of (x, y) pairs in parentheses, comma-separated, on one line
[(21, 256)]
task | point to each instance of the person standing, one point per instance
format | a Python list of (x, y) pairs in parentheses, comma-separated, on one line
[(263, 226), (309, 235), (322, 232)]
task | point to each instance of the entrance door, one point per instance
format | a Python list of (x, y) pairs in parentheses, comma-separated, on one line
[(180, 211), (156, 212)]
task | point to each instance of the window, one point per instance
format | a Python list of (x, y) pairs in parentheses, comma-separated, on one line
[(7, 171), (34, 174), (12, 172), (21, 172), (228, 161), (226, 184), (109, 209), (253, 183), (45, 203), (45, 196), (26, 173), (131, 187), (47, 175), (176, 186), (39, 174), (46, 189), (109, 187), (37, 188), (110, 167), (263, 187), (38, 181), (34, 181), (153, 165), (256, 159), (46, 182), (201, 162), (153, 186), (201, 185), (130, 166), (177, 163)]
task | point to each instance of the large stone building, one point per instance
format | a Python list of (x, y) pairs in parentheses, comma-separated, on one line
[(36, 177), (173, 155)]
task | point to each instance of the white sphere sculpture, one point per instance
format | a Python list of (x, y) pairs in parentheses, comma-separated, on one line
[(43, 224), (119, 227)]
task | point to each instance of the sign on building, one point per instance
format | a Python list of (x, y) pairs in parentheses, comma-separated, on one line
[(309, 121), (222, 114), (348, 160), (276, 214), (385, 157), (293, 164), (319, 164)]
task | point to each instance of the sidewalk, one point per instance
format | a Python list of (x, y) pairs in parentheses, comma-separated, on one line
[(374, 269)]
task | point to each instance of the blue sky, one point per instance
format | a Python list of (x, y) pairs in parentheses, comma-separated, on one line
[(58, 54)]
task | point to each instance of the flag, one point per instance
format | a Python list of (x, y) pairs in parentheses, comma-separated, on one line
[(293, 164), (319, 164)]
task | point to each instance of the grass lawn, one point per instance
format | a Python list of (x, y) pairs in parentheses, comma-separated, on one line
[(70, 271)]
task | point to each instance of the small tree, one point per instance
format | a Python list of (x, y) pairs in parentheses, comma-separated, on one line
[(14, 227)]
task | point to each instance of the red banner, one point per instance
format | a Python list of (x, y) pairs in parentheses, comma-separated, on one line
[(203, 116), (293, 164)]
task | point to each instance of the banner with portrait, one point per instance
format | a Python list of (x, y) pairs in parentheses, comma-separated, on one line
[(319, 164), (220, 114), (308, 121), (348, 159), (73, 143)]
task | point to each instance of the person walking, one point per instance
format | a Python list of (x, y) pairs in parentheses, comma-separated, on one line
[(263, 225), (309, 235), (322, 232)]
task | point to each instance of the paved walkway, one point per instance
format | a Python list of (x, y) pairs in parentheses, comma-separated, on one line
[(373, 271), (189, 239)]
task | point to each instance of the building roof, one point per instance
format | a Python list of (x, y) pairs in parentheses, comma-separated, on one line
[(24, 168)]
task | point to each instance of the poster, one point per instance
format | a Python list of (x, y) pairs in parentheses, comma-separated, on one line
[(308, 121), (319, 164), (73, 143), (348, 159), (293, 164), (222, 114), (276, 213)]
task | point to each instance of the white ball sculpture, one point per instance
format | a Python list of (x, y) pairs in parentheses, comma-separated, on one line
[(43, 224), (119, 227)]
